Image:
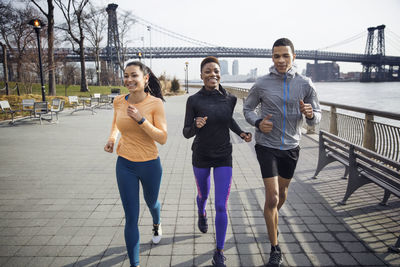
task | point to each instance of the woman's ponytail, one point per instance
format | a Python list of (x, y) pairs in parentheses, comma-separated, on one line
[(154, 85)]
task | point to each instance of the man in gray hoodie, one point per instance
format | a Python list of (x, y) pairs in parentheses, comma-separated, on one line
[(284, 97)]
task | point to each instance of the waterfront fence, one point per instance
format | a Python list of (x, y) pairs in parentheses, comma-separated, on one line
[(361, 126)]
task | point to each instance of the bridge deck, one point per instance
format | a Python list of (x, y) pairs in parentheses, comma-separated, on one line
[(59, 204)]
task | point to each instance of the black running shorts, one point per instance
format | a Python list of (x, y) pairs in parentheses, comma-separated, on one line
[(274, 162)]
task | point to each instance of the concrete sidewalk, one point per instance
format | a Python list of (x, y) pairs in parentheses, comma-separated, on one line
[(60, 206)]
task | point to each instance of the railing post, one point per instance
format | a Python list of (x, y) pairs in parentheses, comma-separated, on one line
[(333, 121), (369, 132)]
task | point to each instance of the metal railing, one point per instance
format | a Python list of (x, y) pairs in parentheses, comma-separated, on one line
[(363, 129)]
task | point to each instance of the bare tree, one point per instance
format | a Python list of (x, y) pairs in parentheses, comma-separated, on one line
[(16, 34), (124, 25), (95, 26), (50, 42), (75, 15), (69, 73)]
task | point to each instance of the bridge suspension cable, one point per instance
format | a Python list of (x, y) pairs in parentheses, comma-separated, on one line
[(393, 40), (346, 41), (395, 34), (171, 33)]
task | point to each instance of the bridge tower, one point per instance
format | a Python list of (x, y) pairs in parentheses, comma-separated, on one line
[(374, 70), (113, 45)]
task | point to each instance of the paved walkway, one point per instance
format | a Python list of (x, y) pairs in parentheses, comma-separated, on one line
[(59, 204)]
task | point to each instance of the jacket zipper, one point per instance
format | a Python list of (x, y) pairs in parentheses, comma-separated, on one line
[(285, 99)]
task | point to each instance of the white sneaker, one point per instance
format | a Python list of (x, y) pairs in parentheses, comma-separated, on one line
[(157, 233)]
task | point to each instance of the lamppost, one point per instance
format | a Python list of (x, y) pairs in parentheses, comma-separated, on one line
[(186, 77), (149, 29), (37, 25), (142, 39)]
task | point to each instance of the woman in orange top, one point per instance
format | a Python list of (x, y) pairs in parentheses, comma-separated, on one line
[(140, 118)]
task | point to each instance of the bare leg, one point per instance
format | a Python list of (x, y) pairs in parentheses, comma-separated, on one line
[(271, 208), (283, 190)]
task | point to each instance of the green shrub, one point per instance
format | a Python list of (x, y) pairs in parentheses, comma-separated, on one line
[(175, 85)]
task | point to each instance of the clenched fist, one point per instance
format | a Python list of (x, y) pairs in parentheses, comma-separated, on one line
[(266, 125), (306, 109)]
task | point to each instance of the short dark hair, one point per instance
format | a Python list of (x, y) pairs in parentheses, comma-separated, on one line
[(208, 60), (283, 42)]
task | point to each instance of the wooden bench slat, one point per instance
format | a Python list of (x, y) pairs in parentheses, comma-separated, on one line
[(379, 165), (385, 184)]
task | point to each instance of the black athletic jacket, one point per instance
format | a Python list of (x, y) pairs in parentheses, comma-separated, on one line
[(211, 146)]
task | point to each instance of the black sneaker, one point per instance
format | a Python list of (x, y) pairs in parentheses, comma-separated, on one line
[(218, 259), (202, 223), (275, 258)]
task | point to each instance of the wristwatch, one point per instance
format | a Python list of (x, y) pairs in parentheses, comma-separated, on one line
[(141, 121)]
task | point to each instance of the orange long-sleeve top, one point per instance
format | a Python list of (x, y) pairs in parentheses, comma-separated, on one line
[(137, 141)]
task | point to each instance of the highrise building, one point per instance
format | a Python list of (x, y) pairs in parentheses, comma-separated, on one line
[(235, 67), (224, 67), (253, 73)]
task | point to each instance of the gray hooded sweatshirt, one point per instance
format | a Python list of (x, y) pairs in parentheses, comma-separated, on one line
[(280, 95)]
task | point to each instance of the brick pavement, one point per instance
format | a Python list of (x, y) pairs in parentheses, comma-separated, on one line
[(59, 204)]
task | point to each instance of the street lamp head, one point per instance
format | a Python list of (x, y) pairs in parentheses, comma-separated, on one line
[(36, 23)]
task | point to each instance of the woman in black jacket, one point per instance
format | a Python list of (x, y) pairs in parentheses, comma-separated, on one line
[(209, 117)]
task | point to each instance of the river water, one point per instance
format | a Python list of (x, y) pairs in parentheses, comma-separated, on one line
[(379, 96)]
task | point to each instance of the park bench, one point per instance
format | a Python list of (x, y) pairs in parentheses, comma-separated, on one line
[(363, 167), (105, 101), (6, 109), (85, 102), (57, 105), (40, 109), (366, 166), (73, 100), (27, 106), (332, 148)]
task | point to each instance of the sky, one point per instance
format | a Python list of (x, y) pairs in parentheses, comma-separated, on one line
[(310, 24)]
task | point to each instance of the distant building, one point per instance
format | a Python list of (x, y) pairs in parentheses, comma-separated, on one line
[(224, 67), (253, 73), (323, 71), (235, 67), (353, 75)]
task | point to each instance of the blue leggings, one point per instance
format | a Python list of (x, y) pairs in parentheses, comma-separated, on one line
[(129, 174), (222, 183)]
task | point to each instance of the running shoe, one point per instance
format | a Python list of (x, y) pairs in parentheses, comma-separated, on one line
[(202, 223), (218, 259), (275, 258), (157, 233)]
